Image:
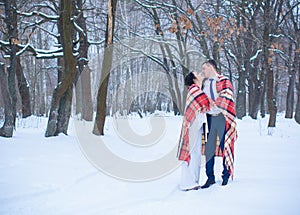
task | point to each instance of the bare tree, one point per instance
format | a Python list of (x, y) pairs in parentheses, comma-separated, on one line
[(106, 67), (60, 110), (12, 35)]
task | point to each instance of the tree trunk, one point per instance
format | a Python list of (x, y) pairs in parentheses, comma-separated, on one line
[(241, 95), (251, 88), (255, 90), (271, 100), (12, 29), (262, 97), (85, 78), (241, 92), (78, 97), (7, 129), (297, 111), (24, 90), (87, 108), (254, 75), (290, 93), (60, 110), (290, 97), (42, 80), (105, 73), (64, 111)]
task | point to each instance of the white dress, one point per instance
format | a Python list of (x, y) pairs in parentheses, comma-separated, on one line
[(190, 174)]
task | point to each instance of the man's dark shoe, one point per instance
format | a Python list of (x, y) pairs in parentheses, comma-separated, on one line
[(225, 181), (208, 183)]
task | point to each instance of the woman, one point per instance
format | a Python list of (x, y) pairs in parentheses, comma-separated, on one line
[(190, 142)]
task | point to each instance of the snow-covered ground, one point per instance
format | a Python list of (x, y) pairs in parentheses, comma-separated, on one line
[(41, 175)]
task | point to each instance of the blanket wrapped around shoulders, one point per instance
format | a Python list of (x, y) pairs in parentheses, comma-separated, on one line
[(225, 102), (196, 100)]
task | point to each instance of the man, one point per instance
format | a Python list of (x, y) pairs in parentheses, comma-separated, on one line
[(221, 122)]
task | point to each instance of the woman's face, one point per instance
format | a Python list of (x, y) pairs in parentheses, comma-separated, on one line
[(198, 76)]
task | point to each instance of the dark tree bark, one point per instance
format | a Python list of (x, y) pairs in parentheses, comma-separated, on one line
[(290, 93), (83, 69), (271, 100), (24, 90), (42, 90), (105, 73), (60, 110), (87, 108), (241, 91), (12, 30), (78, 97), (15, 69), (64, 111), (7, 129), (296, 28), (297, 111), (241, 95), (255, 89), (262, 98)]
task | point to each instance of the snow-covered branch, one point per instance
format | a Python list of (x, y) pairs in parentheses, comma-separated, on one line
[(40, 14), (39, 53), (161, 5), (78, 28), (231, 54), (49, 55), (276, 35), (256, 55), (93, 42)]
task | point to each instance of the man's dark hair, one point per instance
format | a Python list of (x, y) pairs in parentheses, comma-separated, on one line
[(189, 79), (212, 62)]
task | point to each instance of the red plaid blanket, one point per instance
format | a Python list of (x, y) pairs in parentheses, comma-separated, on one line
[(225, 102), (195, 101)]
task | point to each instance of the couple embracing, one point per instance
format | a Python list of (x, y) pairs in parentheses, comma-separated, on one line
[(209, 112)]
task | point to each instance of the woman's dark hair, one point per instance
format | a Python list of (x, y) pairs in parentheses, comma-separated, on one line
[(189, 79), (212, 62)]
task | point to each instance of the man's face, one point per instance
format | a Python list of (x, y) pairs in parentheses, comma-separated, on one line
[(207, 70)]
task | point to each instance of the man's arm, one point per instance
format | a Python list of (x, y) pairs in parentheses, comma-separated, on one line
[(225, 100)]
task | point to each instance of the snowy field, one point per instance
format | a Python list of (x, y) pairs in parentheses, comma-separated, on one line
[(52, 176)]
